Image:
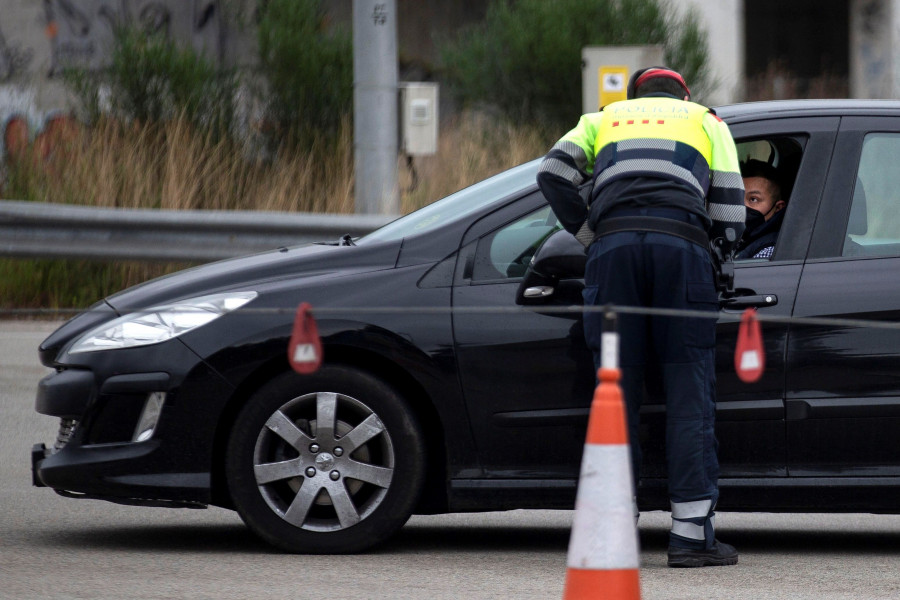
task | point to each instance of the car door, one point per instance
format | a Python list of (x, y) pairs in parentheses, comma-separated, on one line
[(526, 374), (750, 417), (843, 384)]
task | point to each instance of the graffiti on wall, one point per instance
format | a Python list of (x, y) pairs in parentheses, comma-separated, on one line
[(80, 34), (23, 138), (46, 142), (13, 58), (81, 31)]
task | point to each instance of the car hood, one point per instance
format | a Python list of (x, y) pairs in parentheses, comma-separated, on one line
[(250, 272), (254, 272)]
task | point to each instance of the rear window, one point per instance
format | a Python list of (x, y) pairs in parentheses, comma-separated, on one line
[(874, 224)]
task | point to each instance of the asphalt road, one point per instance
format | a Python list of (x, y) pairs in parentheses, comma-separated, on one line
[(58, 548)]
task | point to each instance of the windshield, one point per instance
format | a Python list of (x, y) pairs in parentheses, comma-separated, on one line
[(459, 204)]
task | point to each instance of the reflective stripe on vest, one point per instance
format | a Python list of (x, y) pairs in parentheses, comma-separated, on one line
[(653, 137)]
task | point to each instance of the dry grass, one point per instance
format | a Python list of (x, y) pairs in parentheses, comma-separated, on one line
[(172, 166), (471, 147)]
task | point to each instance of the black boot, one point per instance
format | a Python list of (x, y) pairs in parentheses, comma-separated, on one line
[(719, 555)]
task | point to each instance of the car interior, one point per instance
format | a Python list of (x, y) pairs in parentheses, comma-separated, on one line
[(783, 153), (513, 246), (506, 253), (858, 224), (873, 227)]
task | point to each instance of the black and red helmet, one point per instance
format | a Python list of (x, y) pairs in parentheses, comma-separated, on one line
[(641, 76)]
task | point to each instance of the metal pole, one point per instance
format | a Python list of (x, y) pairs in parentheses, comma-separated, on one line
[(375, 129)]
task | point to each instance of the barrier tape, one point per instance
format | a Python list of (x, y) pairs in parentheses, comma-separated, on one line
[(561, 310)]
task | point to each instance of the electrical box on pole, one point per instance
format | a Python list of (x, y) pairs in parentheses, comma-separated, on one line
[(375, 75), (606, 70), (418, 118)]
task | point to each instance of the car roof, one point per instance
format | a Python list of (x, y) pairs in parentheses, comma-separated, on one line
[(793, 108)]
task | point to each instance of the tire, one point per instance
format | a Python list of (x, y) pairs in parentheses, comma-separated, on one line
[(325, 490)]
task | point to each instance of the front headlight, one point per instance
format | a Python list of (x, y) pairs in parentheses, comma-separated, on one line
[(160, 323)]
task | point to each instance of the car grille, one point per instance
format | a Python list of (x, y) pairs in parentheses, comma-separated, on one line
[(66, 429)]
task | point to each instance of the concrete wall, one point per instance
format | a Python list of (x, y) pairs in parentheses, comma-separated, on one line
[(26, 58), (874, 34), (874, 43), (39, 39), (724, 23)]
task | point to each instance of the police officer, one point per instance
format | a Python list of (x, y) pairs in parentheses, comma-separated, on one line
[(666, 182)]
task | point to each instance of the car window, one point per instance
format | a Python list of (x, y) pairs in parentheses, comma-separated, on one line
[(784, 154), (873, 228), (506, 252)]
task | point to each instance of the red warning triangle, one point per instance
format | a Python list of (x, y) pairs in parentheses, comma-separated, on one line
[(749, 355), (305, 347)]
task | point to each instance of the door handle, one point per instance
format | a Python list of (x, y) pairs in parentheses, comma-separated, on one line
[(749, 301)]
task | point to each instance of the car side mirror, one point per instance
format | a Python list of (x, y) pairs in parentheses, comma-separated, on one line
[(560, 257)]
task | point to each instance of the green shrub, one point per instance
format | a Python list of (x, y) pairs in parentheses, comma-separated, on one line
[(525, 57), (308, 70), (151, 80)]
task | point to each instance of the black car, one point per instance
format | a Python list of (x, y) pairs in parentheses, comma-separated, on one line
[(441, 392)]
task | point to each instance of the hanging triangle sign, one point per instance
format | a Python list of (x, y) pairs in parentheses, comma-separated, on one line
[(305, 346), (749, 355)]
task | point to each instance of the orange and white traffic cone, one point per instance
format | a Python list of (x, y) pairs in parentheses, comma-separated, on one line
[(603, 559)]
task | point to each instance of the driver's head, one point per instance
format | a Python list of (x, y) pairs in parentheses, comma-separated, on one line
[(762, 188)]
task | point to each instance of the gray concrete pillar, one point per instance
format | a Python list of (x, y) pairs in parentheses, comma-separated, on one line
[(874, 44), (375, 132)]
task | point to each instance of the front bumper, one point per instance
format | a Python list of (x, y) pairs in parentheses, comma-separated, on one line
[(106, 451), (63, 472)]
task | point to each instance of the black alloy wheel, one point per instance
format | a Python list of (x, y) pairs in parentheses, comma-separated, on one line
[(328, 463)]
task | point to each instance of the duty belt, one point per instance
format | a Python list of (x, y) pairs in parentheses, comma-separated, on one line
[(680, 229)]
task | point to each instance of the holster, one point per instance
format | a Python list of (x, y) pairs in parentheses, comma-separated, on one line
[(724, 269)]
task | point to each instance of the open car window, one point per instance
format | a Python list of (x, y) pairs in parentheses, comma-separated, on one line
[(784, 154)]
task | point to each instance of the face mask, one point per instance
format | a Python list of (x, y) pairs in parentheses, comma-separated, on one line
[(753, 219)]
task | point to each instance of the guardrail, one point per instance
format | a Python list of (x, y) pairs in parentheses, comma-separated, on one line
[(40, 230)]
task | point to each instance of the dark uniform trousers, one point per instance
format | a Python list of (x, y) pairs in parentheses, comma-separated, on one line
[(649, 269)]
